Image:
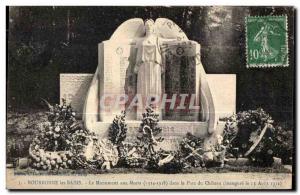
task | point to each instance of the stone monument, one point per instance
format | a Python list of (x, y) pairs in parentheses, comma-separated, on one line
[(155, 63)]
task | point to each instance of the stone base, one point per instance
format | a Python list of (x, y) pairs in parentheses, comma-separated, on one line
[(238, 162), (172, 131)]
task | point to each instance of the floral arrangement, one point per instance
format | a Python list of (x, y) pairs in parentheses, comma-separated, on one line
[(51, 148), (63, 143), (254, 134)]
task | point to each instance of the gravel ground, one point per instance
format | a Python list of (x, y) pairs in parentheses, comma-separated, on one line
[(226, 169)]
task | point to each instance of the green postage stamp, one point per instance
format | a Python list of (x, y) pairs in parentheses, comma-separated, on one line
[(266, 41)]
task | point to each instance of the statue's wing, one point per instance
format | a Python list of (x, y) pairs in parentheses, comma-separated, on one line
[(130, 29), (167, 29)]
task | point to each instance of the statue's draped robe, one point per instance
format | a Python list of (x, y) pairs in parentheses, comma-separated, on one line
[(149, 69)]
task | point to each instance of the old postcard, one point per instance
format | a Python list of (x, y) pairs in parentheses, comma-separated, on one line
[(150, 98)]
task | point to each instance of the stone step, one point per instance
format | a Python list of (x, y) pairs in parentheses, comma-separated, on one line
[(172, 131)]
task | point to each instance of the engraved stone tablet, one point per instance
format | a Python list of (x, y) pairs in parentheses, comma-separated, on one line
[(73, 88), (223, 90), (116, 77)]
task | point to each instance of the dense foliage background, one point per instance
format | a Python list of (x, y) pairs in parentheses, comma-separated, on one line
[(46, 41)]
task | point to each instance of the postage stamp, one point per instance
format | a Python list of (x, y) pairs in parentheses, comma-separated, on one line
[(266, 41)]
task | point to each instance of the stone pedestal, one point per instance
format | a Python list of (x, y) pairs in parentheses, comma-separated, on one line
[(172, 131)]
